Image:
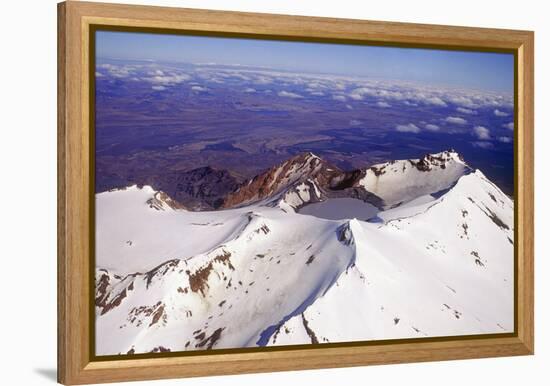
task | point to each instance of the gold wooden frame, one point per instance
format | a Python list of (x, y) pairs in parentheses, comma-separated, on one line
[(76, 364)]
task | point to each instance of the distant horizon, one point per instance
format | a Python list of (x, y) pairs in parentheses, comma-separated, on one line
[(484, 71), (257, 68)]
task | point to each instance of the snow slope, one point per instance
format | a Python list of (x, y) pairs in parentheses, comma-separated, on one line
[(412, 278), (265, 271), (263, 274)]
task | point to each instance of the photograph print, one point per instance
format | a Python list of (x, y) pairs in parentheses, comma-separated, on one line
[(258, 193)]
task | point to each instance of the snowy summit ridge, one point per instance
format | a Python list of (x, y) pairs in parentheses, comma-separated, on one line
[(307, 178)]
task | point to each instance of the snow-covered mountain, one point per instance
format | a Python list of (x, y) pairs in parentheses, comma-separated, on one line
[(434, 259)]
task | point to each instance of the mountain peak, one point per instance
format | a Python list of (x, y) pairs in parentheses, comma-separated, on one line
[(445, 156), (298, 169), (311, 155), (303, 157), (441, 160)]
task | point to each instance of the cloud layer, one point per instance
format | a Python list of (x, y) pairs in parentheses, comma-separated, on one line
[(407, 107)]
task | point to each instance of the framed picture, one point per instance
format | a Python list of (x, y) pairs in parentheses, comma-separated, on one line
[(249, 192)]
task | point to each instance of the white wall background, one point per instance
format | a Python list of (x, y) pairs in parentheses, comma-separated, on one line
[(28, 190)]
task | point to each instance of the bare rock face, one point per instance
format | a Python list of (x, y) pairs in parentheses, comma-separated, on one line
[(198, 189), (297, 169), (346, 180)]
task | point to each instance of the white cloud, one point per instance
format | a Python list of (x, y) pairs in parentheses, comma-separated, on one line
[(509, 126), (391, 94), (359, 93), (431, 127), (383, 104), (198, 88), (456, 120), (482, 132), (355, 122), (98, 74), (464, 110), (263, 80), (505, 139), (316, 85), (340, 98), (410, 128), (117, 71), (317, 93), (434, 100), (288, 94), (168, 80), (499, 113), (249, 90), (462, 101), (237, 75), (483, 144), (158, 88), (216, 80)]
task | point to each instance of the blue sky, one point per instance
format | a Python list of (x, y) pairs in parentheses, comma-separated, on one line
[(478, 70)]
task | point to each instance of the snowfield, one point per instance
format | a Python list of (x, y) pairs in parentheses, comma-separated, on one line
[(436, 260)]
